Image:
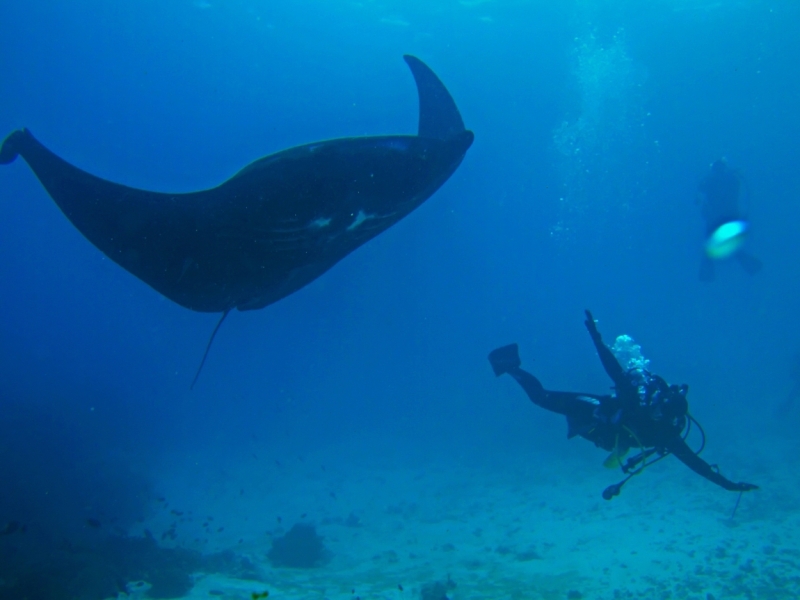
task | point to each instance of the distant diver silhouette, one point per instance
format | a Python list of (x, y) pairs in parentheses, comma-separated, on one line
[(794, 393), (726, 224), (644, 413), (275, 226)]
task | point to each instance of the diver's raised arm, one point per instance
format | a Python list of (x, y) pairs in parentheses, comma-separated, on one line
[(610, 362), (687, 456)]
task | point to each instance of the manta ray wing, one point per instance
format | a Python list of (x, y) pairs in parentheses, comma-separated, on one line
[(272, 228)]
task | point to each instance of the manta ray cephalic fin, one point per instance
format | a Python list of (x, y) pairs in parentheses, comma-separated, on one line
[(438, 115), (10, 148)]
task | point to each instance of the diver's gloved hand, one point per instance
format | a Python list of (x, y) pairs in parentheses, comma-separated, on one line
[(745, 487), (591, 325)]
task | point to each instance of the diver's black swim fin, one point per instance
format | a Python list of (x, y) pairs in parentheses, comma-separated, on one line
[(504, 359)]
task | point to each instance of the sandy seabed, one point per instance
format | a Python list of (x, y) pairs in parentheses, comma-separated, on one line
[(517, 529)]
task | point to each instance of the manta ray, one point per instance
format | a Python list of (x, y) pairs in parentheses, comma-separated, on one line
[(272, 228)]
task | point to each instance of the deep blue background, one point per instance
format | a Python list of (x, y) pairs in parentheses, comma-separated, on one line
[(391, 343)]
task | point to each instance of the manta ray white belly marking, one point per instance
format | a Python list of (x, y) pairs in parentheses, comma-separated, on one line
[(320, 223), (359, 219)]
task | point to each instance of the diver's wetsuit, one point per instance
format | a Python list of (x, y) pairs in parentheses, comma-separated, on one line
[(649, 414), (721, 189)]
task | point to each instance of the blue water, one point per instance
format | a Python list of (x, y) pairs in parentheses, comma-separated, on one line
[(594, 122)]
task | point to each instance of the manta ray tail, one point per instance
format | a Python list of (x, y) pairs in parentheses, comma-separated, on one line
[(11, 147), (438, 116), (208, 347)]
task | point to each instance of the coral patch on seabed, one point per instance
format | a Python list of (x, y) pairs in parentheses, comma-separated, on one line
[(437, 590), (300, 548)]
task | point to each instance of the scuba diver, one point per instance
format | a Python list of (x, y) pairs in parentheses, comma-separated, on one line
[(726, 225), (644, 413)]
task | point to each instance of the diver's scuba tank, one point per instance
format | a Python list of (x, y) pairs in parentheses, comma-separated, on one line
[(629, 355), (661, 400)]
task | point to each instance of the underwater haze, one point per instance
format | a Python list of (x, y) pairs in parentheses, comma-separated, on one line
[(358, 418)]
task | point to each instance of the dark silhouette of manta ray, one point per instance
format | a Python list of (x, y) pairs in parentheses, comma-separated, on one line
[(272, 228)]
